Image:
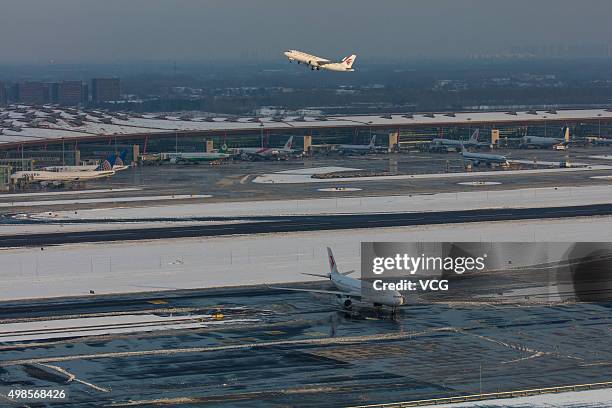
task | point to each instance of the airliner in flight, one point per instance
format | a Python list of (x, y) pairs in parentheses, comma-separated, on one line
[(317, 63)]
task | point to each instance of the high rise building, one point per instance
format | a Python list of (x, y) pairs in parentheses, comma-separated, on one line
[(50, 91), (3, 94), (32, 93), (70, 93), (105, 89)]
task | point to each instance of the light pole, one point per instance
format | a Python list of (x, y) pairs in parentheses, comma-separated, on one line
[(261, 136), (480, 378)]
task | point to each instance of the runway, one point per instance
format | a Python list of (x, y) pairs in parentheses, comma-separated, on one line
[(259, 225), (431, 351)]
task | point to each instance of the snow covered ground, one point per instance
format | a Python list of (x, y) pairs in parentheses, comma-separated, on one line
[(317, 170), (76, 269), (584, 399), (294, 178), (4, 196), (102, 200), (519, 198)]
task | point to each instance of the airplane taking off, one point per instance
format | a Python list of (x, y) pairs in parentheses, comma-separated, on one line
[(545, 142), (472, 142), (486, 158), (349, 289), (352, 148), (267, 152), (317, 63)]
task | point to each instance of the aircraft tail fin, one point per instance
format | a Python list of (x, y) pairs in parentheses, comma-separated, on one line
[(107, 164), (474, 137), (566, 134), (289, 143), (349, 61), (120, 159), (333, 268), (463, 151), (372, 141)]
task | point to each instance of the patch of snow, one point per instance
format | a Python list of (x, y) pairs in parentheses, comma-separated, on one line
[(102, 200), (142, 266), (468, 200), (278, 178)]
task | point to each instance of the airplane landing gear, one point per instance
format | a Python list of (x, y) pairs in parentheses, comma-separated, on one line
[(377, 309)]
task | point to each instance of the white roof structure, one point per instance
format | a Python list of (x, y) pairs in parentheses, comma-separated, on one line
[(25, 125)]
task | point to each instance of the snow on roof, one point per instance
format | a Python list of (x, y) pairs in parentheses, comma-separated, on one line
[(23, 124)]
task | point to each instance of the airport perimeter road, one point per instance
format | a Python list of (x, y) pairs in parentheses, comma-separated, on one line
[(306, 223)]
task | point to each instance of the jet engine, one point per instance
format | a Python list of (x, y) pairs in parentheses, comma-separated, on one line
[(345, 302)]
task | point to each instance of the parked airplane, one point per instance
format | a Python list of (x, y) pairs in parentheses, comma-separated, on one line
[(59, 178), (471, 142), (119, 164), (545, 142), (486, 158), (599, 141), (350, 289), (85, 167), (316, 63), (194, 157), (267, 152), (353, 148)]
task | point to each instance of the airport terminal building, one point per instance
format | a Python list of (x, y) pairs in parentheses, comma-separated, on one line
[(43, 131)]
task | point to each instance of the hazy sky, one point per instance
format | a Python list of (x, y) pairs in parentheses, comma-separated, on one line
[(68, 31)]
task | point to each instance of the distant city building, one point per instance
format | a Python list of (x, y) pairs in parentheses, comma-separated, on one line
[(85, 90), (3, 94), (69, 93), (51, 89), (32, 93), (12, 91), (105, 89)]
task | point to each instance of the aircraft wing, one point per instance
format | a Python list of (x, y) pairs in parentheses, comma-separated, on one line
[(327, 292), (317, 60), (322, 61)]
